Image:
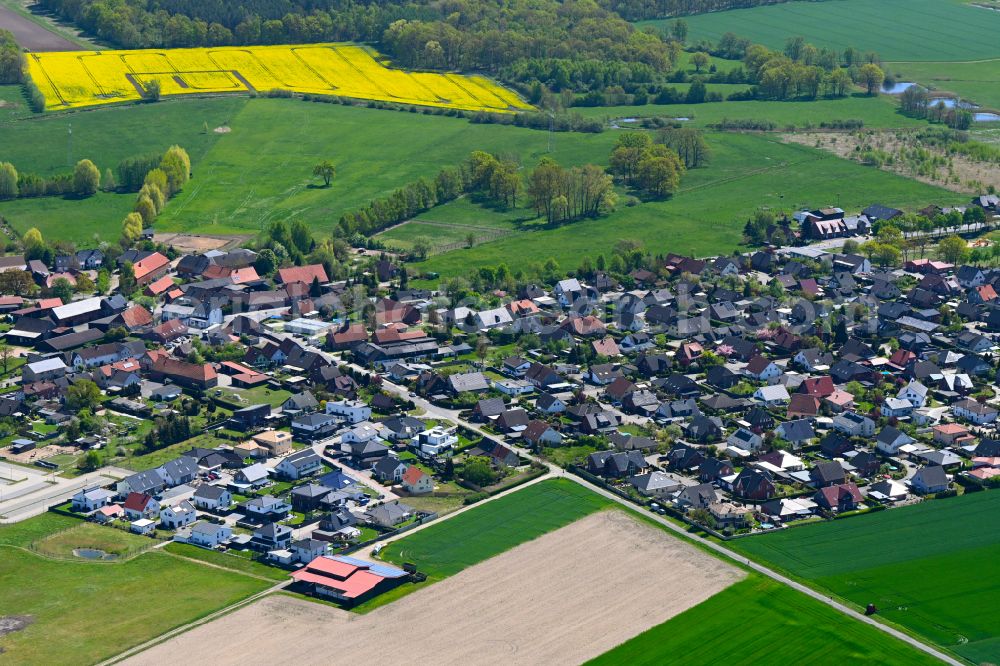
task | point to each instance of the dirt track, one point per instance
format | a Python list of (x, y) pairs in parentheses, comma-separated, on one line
[(561, 599), (32, 36)]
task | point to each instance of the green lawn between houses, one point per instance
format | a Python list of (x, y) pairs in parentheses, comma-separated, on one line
[(927, 567), (760, 621), (83, 612)]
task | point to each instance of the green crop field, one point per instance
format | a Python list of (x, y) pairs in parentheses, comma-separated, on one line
[(83, 612), (896, 29), (262, 170), (706, 216), (760, 621), (920, 565), (444, 549), (879, 111), (82, 221)]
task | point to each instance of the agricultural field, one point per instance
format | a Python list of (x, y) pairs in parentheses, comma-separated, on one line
[(561, 598), (445, 549), (787, 627), (77, 79), (85, 222), (927, 30), (236, 190), (159, 590), (913, 563), (706, 215), (876, 112)]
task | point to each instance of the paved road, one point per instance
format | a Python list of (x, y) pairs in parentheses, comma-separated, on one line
[(54, 491), (33, 35)]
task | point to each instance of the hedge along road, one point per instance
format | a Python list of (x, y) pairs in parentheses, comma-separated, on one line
[(32, 35)]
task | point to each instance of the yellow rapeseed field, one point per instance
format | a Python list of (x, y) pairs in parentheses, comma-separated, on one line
[(73, 79)]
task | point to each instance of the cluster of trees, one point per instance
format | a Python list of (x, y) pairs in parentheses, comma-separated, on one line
[(83, 182), (159, 184), (564, 195), (802, 70), (689, 144), (916, 102), (646, 165), (12, 62), (168, 430)]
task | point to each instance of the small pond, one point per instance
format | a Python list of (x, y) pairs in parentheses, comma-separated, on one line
[(986, 117), (898, 88), (93, 554), (950, 103)]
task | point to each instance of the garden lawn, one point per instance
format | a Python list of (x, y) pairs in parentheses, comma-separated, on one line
[(756, 621), (444, 549), (895, 29), (706, 216), (84, 612), (923, 566)]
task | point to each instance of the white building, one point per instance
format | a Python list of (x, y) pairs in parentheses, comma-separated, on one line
[(354, 411), (437, 440)]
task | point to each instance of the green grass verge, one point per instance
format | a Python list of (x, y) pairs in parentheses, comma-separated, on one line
[(924, 566), (896, 29), (234, 562), (88, 535), (758, 621), (83, 612)]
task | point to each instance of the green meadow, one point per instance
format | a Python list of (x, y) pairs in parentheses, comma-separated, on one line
[(926, 567), (896, 29), (759, 621)]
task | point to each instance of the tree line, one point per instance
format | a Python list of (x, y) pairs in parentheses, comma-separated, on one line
[(639, 10), (916, 102), (653, 167)]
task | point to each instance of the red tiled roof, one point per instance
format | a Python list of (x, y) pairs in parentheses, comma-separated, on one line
[(413, 474), (137, 316), (158, 287), (818, 386), (137, 501), (153, 262), (353, 587), (175, 368), (302, 274)]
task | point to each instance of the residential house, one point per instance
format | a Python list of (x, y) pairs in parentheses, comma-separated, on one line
[(299, 465), (212, 498), (930, 479), (416, 482)]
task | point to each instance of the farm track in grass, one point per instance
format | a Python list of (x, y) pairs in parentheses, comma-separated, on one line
[(927, 30), (920, 565)]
